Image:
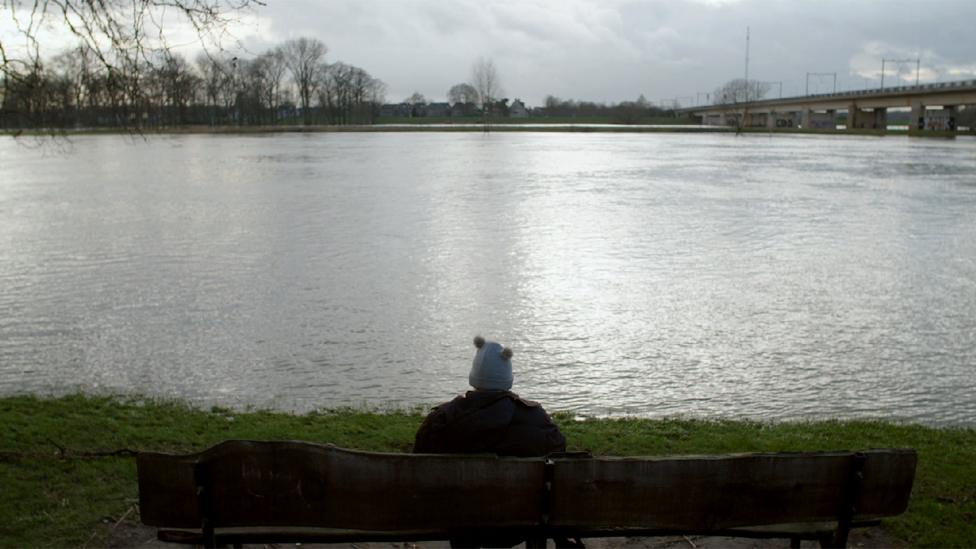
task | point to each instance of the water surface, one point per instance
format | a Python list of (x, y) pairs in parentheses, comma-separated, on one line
[(645, 274)]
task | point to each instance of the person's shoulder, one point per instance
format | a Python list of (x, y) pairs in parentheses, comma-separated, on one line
[(453, 403), (525, 402)]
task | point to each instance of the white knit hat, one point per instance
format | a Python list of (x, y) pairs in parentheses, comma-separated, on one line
[(492, 366)]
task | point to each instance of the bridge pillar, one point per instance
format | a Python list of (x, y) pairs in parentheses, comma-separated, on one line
[(854, 117), (951, 114), (771, 119), (807, 119), (881, 118), (832, 118), (917, 123)]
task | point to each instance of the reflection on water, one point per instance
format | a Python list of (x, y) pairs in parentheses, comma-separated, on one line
[(646, 274)]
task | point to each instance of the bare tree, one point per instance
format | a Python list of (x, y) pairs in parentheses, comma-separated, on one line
[(366, 96), (169, 88), (303, 58), (73, 67), (418, 104), (737, 91), (216, 77), (334, 92), (253, 91), (74, 88), (484, 78), (349, 95), (374, 95), (270, 68), (463, 93), (125, 38), (463, 98), (416, 98), (740, 90)]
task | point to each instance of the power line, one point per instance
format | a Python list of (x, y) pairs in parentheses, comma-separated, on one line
[(918, 65), (818, 74)]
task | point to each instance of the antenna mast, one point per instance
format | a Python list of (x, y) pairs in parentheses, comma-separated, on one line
[(747, 64)]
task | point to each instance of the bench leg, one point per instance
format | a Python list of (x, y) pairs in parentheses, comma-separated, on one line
[(836, 539), (535, 543), (795, 543), (209, 539), (840, 537)]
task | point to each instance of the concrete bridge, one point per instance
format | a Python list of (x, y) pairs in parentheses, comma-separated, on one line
[(933, 108)]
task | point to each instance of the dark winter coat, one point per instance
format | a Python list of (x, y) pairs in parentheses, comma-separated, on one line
[(496, 422)]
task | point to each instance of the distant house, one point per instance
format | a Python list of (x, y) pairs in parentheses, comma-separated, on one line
[(438, 109), (517, 109), (398, 110), (464, 109)]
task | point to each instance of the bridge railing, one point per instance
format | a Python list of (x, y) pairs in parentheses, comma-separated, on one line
[(875, 91), (896, 89)]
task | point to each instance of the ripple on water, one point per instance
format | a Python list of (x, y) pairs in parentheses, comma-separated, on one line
[(704, 275)]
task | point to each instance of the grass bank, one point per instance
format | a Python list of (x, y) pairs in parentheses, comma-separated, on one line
[(61, 484)]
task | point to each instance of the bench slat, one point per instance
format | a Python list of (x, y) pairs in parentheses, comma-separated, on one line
[(721, 492), (302, 485)]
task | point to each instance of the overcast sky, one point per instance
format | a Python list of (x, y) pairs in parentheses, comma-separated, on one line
[(614, 50)]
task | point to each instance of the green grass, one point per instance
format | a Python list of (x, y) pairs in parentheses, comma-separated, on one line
[(55, 498)]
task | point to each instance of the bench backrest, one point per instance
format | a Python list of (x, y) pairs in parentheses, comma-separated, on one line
[(297, 484)]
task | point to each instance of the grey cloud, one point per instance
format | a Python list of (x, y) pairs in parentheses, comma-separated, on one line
[(613, 50)]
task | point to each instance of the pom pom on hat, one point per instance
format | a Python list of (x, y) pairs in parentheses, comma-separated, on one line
[(492, 366)]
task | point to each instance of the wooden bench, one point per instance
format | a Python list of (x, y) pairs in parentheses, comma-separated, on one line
[(280, 491)]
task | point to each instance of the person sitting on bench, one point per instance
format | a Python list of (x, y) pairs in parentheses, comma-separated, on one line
[(491, 418)]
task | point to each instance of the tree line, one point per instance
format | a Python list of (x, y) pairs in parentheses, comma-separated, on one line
[(625, 112), (290, 83)]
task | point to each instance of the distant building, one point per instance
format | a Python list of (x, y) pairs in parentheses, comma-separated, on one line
[(517, 109), (464, 109), (438, 109), (399, 110), (418, 110)]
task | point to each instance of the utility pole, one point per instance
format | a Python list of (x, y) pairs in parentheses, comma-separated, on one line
[(918, 66), (747, 64), (779, 83), (819, 74)]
